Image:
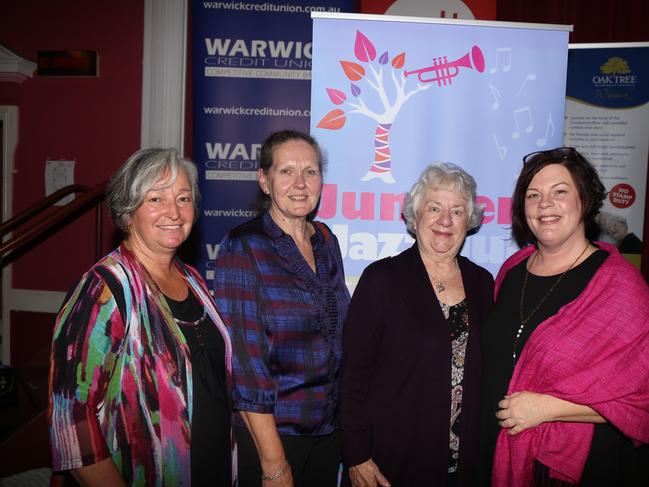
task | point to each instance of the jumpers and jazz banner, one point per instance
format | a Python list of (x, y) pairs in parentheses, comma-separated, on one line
[(607, 118), (391, 95), (251, 75)]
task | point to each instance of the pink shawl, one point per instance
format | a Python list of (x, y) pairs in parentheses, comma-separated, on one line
[(594, 351)]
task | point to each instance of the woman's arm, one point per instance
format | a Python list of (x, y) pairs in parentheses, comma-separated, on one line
[(87, 338), (269, 448), (237, 294), (243, 306), (362, 336), (523, 410), (101, 474)]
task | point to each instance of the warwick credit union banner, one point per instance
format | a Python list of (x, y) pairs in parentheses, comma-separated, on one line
[(251, 64), (391, 95)]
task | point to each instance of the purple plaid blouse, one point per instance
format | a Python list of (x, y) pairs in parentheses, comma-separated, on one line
[(285, 322)]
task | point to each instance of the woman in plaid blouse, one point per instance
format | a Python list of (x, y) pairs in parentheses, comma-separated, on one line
[(280, 287)]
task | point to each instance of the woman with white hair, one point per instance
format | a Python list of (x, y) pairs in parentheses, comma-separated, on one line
[(141, 361), (410, 372)]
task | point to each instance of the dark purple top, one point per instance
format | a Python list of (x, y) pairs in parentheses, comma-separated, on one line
[(396, 372)]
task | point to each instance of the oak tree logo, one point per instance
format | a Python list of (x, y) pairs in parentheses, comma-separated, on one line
[(615, 65)]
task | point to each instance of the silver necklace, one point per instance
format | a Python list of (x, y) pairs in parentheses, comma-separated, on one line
[(192, 323), (438, 284), (547, 294)]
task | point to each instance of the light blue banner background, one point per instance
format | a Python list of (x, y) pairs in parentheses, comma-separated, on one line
[(483, 121)]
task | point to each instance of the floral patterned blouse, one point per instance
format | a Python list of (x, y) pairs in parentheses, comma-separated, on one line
[(457, 317)]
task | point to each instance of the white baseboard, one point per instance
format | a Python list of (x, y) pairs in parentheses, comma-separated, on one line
[(35, 301)]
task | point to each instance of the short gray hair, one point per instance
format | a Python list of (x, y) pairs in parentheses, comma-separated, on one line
[(617, 219), (443, 174), (128, 187)]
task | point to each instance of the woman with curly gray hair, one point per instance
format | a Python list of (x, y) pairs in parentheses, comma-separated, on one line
[(410, 371)]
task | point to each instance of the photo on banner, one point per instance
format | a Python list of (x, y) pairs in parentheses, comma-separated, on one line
[(391, 95), (607, 119), (251, 75)]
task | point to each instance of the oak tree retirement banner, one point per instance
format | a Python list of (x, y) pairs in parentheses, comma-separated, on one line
[(391, 95), (607, 119)]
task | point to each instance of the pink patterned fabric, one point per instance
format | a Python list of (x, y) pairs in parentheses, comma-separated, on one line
[(594, 351)]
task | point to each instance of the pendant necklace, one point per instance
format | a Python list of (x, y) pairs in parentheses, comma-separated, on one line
[(438, 284), (547, 294)]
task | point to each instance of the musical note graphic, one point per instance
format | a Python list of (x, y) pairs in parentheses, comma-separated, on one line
[(530, 77), (505, 54), (502, 149), (549, 132), (523, 113), (497, 96)]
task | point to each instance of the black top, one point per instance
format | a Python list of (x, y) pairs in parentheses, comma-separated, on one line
[(612, 455), (210, 445)]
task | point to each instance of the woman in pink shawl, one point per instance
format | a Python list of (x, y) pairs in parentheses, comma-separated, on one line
[(565, 377)]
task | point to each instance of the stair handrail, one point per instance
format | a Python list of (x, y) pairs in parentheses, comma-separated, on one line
[(40, 206), (91, 196)]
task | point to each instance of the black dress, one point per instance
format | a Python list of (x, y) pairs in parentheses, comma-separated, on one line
[(613, 460), (210, 443)]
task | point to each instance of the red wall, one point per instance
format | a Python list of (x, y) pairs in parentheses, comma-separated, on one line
[(94, 121)]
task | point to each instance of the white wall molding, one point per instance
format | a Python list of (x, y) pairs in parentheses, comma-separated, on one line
[(163, 76), (9, 118), (13, 68), (36, 301)]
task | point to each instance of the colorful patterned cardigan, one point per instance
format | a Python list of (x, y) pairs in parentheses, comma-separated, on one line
[(121, 379)]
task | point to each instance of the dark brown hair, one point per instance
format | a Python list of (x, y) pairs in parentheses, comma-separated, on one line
[(591, 190)]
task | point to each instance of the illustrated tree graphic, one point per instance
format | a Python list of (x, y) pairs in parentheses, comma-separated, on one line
[(377, 75), (373, 73), (615, 65)]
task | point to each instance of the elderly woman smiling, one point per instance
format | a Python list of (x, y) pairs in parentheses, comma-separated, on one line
[(410, 346)]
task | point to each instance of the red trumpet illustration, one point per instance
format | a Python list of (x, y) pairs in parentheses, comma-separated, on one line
[(445, 71)]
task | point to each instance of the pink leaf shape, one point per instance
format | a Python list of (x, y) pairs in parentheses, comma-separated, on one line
[(355, 90), (336, 96), (353, 71), (384, 58), (363, 48), (334, 120), (399, 60)]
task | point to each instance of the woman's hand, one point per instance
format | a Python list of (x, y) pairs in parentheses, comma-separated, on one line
[(367, 474), (522, 410)]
